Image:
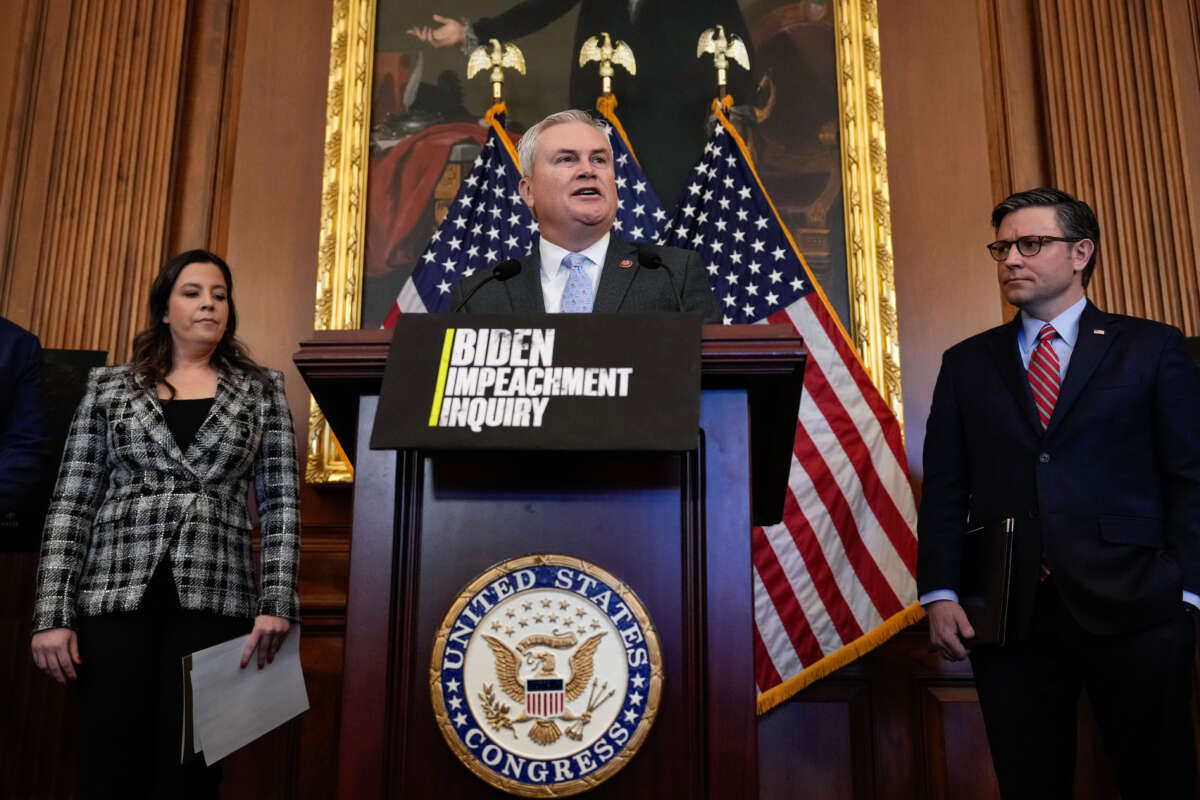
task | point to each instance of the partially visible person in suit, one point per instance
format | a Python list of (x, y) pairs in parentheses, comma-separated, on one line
[(146, 549), (579, 265), (1082, 426), (24, 443)]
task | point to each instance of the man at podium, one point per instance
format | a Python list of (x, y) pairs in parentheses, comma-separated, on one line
[(579, 266)]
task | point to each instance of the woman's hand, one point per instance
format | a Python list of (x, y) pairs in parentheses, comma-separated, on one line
[(450, 33), (56, 652), (267, 637)]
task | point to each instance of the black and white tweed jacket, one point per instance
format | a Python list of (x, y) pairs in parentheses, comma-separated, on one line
[(126, 497)]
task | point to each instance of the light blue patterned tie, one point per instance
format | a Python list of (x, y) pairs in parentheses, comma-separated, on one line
[(578, 295)]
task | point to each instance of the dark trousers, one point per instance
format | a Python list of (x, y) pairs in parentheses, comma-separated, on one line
[(131, 697), (1139, 685)]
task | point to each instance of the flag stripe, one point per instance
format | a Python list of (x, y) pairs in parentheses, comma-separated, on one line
[(823, 319), (810, 578), (765, 673), (865, 567), (888, 517), (806, 536), (780, 605), (825, 534)]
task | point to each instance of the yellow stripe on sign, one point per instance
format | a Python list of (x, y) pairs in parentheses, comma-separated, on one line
[(440, 388)]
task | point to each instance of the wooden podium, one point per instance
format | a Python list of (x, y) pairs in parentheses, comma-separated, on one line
[(675, 527)]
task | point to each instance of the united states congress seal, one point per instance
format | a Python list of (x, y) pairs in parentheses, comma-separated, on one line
[(546, 675)]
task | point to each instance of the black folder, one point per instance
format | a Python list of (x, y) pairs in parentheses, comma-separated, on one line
[(986, 582)]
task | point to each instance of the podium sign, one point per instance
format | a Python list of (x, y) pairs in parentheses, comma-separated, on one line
[(541, 382)]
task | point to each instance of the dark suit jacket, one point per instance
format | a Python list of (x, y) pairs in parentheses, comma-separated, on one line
[(1110, 490), (126, 496), (664, 106), (24, 443), (632, 288)]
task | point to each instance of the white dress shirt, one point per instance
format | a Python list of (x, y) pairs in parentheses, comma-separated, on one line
[(554, 274)]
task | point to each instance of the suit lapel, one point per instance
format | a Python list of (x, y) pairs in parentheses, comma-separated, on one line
[(148, 410), (1090, 348), (1007, 356), (233, 392), (525, 288), (615, 280)]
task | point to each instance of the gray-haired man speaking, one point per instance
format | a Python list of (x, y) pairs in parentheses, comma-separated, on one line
[(579, 265)]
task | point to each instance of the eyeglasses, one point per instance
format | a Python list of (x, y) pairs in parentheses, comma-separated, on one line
[(1026, 245)]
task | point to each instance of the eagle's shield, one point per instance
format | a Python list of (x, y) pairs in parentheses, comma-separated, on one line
[(544, 697)]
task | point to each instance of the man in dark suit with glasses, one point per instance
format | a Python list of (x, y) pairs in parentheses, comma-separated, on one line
[(1080, 426)]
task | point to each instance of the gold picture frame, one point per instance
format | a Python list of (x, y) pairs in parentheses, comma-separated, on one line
[(869, 266)]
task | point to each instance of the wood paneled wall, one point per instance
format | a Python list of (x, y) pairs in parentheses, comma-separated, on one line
[(91, 166), (1120, 91)]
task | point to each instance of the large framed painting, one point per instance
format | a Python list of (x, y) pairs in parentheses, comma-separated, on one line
[(404, 124)]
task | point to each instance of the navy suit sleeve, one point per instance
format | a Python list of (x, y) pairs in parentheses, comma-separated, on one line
[(696, 293), (24, 444), (1177, 436), (945, 498)]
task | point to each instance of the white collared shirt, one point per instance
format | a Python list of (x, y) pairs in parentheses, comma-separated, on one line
[(554, 275)]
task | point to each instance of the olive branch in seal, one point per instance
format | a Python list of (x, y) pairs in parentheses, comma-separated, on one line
[(497, 714)]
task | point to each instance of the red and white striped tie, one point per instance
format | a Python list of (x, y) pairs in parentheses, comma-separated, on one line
[(1043, 374), (1044, 380)]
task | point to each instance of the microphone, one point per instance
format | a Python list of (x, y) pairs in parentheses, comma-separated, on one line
[(652, 260), (501, 272)]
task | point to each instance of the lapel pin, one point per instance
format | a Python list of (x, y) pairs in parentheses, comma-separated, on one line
[(1098, 331), (626, 263)]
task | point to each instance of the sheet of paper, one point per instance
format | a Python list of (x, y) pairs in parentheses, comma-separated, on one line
[(231, 706)]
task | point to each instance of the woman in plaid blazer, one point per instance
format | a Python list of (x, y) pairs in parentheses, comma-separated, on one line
[(146, 553)]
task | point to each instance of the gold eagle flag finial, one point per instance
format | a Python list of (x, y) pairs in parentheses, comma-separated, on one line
[(495, 57), (603, 49), (723, 49)]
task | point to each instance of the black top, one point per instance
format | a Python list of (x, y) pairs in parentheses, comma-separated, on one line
[(184, 418)]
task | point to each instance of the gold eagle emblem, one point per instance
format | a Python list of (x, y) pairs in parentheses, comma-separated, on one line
[(602, 49), (531, 650), (723, 49), (495, 57)]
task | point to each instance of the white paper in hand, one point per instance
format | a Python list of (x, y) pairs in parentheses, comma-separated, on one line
[(231, 706)]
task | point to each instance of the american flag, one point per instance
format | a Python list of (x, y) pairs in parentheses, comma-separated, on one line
[(489, 222), (640, 215), (837, 575)]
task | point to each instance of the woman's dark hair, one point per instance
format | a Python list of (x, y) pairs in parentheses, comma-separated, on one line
[(152, 348)]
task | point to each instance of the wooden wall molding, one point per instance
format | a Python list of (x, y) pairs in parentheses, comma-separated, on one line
[(209, 98), (99, 123), (1012, 95), (1120, 85)]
